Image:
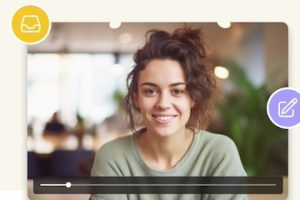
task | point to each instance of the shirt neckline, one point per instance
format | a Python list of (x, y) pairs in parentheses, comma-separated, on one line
[(181, 164)]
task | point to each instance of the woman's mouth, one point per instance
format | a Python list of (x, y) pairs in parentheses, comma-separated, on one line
[(163, 119)]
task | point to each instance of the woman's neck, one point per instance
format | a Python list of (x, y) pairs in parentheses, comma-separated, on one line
[(163, 153)]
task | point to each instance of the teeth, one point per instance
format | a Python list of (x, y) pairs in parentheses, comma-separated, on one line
[(165, 118)]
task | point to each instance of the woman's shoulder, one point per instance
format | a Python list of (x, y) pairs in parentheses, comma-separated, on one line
[(216, 138), (218, 143), (117, 145), (223, 154), (112, 153)]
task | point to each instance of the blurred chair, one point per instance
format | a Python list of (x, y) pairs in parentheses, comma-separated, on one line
[(38, 165), (33, 170), (67, 163)]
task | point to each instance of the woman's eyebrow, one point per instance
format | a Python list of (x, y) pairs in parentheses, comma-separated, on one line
[(155, 85), (176, 84), (149, 84)]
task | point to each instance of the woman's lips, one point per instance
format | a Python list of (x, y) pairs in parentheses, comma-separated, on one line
[(163, 119)]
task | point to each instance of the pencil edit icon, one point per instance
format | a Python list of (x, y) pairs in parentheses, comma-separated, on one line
[(285, 109)]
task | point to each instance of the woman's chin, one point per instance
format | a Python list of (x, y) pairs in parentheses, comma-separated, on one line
[(163, 132)]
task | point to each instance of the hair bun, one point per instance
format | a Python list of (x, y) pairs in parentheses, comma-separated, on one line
[(194, 38)]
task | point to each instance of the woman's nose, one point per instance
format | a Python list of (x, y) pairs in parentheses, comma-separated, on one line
[(163, 101)]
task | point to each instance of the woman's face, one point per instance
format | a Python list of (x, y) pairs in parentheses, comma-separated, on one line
[(162, 97)]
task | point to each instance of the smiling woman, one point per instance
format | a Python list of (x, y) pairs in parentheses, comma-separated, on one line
[(171, 88), (162, 98)]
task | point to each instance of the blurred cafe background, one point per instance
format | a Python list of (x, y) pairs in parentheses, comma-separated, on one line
[(76, 80)]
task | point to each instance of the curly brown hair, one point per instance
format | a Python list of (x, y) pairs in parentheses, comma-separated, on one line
[(187, 46)]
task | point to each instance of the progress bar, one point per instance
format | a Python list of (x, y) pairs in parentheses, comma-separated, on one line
[(69, 184), (159, 185)]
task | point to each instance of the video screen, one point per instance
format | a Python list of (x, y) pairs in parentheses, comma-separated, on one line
[(156, 111)]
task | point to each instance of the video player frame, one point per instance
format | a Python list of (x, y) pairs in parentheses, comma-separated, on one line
[(70, 73)]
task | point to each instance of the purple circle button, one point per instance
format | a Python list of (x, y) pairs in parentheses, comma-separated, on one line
[(284, 108)]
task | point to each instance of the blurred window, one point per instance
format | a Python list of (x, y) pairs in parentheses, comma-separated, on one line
[(71, 83)]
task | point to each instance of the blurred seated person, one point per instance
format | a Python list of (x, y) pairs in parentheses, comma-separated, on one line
[(54, 126)]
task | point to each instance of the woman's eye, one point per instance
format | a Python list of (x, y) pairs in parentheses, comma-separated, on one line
[(177, 92), (150, 92)]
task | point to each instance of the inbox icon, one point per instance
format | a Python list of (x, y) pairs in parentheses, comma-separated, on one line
[(30, 24)]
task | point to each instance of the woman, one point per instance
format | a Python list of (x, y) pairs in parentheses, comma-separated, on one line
[(171, 88)]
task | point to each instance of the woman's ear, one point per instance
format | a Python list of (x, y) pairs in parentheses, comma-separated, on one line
[(192, 103)]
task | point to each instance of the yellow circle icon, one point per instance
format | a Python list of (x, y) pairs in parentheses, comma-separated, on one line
[(31, 24)]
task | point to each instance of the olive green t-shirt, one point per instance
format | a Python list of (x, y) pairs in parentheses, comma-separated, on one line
[(209, 155)]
